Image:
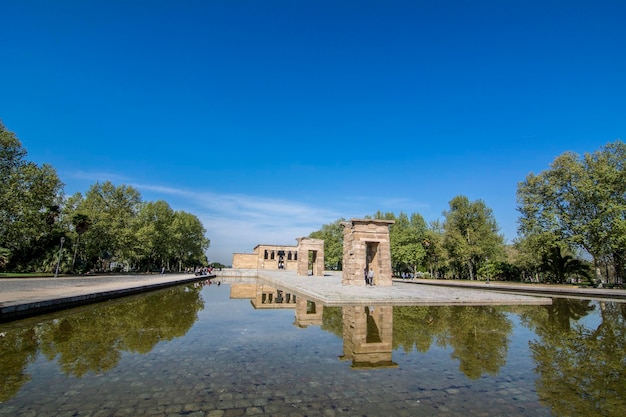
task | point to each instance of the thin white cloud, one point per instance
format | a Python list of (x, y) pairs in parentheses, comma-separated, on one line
[(237, 223), (99, 176)]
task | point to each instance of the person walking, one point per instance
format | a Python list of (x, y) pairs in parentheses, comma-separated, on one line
[(370, 277)]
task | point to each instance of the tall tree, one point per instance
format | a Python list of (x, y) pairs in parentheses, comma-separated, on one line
[(188, 238), (30, 196), (81, 224), (436, 255), (406, 239), (153, 227), (530, 251), (583, 201), (332, 235), (471, 235), (12, 153), (112, 212), (559, 267)]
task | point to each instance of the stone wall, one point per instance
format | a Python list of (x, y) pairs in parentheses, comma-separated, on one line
[(245, 261), (243, 291)]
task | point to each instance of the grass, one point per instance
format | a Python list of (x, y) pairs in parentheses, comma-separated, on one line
[(25, 275)]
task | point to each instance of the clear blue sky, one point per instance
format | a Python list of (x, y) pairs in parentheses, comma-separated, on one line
[(267, 119)]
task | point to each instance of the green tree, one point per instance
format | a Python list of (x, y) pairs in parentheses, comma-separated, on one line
[(152, 234), (112, 212), (81, 224), (332, 235), (54, 257), (508, 269), (559, 267), (30, 197), (530, 251), (583, 201), (406, 239), (471, 235), (188, 240), (5, 256), (436, 254)]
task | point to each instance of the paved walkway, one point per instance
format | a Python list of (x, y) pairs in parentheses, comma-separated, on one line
[(552, 290), (22, 297)]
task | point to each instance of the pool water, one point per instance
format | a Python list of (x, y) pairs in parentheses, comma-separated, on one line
[(195, 350)]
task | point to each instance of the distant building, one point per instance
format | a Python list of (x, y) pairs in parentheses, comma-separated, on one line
[(276, 257), (268, 257)]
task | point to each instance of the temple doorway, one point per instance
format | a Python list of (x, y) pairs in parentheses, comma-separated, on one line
[(371, 259), (312, 258)]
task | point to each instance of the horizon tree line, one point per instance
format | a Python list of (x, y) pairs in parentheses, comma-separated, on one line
[(572, 226), (108, 228)]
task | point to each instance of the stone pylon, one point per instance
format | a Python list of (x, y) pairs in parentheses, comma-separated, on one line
[(366, 248), (310, 256)]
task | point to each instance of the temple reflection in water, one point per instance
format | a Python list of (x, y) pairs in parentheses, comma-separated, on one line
[(263, 296), (367, 330), (368, 336), (492, 358)]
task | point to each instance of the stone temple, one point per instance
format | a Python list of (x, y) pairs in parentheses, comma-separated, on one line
[(365, 248), (307, 258)]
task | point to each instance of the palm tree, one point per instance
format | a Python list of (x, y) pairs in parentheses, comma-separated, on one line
[(559, 267), (81, 224), (5, 255)]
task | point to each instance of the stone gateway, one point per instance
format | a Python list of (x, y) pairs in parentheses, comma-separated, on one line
[(366, 252)]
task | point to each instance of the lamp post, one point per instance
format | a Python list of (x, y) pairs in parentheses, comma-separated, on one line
[(56, 272)]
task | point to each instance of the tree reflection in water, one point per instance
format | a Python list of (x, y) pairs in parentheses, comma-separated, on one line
[(478, 335), (578, 348), (93, 341), (580, 365), (19, 348)]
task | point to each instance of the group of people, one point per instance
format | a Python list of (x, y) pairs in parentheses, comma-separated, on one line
[(200, 284), (200, 270), (369, 276)]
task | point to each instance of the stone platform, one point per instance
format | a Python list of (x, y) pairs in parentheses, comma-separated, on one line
[(329, 291), (22, 297)]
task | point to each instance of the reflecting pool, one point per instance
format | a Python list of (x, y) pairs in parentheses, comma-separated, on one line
[(249, 349)]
